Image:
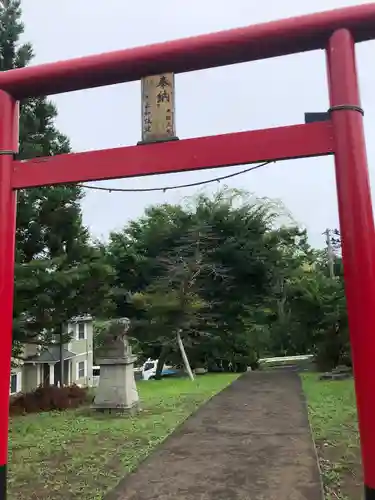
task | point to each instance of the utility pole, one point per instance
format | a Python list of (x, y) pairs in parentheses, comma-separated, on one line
[(330, 252)]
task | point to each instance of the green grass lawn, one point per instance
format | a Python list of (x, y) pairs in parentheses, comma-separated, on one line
[(78, 454), (333, 417)]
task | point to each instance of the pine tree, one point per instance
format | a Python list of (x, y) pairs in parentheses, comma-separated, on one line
[(59, 272)]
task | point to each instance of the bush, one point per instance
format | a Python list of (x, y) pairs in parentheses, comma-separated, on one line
[(49, 398)]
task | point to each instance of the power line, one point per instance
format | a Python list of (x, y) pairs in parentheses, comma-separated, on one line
[(178, 186)]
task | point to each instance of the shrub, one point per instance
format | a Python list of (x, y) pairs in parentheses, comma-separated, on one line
[(49, 398), (333, 349)]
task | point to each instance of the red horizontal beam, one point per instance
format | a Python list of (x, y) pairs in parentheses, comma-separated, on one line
[(296, 141), (262, 41)]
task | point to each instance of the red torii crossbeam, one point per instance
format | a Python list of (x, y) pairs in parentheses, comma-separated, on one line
[(336, 32), (296, 141)]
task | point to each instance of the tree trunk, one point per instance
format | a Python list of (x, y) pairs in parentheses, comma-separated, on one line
[(161, 362), (184, 356)]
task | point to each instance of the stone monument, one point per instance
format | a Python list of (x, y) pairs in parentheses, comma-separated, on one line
[(117, 389)]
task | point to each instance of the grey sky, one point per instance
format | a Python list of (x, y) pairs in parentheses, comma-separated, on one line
[(234, 98)]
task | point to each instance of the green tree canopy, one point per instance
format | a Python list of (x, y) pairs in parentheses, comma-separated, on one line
[(237, 242), (59, 272)]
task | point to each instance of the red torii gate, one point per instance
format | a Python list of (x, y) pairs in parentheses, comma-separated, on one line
[(336, 32)]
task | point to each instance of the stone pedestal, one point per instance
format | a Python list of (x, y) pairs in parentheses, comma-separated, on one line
[(117, 389)]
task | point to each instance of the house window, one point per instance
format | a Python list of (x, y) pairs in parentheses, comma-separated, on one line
[(81, 369), (81, 334), (13, 383)]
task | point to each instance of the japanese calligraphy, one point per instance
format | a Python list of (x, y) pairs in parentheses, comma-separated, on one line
[(147, 117), (162, 96), (158, 107), (163, 82)]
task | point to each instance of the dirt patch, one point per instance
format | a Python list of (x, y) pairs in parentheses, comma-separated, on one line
[(250, 442), (341, 469)]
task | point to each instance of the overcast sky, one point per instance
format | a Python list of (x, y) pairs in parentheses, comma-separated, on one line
[(235, 98)]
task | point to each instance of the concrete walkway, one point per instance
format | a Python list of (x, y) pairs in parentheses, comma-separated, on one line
[(250, 442)]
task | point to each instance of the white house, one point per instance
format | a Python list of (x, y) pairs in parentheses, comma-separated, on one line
[(42, 366)]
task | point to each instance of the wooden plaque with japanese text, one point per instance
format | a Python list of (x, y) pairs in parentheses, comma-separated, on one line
[(158, 108)]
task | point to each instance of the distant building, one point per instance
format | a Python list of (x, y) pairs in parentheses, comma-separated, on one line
[(41, 366)]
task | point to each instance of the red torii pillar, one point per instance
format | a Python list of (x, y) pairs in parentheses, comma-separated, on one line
[(335, 31)]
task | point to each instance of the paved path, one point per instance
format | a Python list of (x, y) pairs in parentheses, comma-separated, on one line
[(250, 442)]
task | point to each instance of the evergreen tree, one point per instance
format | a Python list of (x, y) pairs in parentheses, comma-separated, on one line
[(59, 272), (234, 231)]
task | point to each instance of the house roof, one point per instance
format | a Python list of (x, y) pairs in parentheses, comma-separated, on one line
[(81, 319), (50, 355)]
